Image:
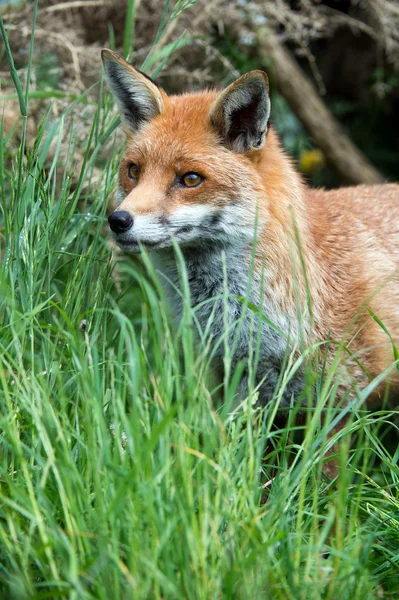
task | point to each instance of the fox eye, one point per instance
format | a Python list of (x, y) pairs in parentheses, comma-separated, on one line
[(133, 171), (192, 179)]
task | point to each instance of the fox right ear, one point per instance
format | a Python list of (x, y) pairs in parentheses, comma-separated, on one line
[(137, 96), (241, 112)]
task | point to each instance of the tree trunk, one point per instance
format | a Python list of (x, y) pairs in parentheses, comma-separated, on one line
[(310, 109)]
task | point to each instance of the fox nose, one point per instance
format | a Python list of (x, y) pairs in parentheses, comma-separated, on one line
[(120, 221)]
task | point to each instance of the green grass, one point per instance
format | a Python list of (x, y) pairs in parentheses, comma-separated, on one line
[(123, 474)]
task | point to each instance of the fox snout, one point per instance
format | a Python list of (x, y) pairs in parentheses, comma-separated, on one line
[(120, 221)]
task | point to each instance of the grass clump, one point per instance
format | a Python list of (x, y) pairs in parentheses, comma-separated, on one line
[(121, 476)]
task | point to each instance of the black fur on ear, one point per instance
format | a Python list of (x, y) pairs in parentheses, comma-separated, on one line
[(241, 112), (137, 96)]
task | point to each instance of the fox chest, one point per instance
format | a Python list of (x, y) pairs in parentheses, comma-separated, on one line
[(229, 310)]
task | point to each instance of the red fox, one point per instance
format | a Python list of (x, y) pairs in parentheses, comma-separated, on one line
[(206, 171)]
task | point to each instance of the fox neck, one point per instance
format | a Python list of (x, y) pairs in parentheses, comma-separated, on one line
[(284, 246)]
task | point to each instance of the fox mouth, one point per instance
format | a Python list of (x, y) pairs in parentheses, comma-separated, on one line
[(129, 243), (136, 244)]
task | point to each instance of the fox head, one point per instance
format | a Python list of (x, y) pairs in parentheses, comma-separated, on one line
[(189, 168)]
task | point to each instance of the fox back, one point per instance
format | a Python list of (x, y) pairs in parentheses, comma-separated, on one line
[(206, 171)]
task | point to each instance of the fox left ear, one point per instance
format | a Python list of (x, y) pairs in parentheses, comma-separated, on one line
[(241, 112), (138, 98)]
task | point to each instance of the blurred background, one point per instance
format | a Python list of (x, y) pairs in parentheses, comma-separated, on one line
[(333, 67)]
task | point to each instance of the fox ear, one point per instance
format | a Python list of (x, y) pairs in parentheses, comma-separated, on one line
[(137, 96), (241, 112)]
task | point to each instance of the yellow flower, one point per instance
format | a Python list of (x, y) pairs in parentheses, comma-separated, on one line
[(311, 160)]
